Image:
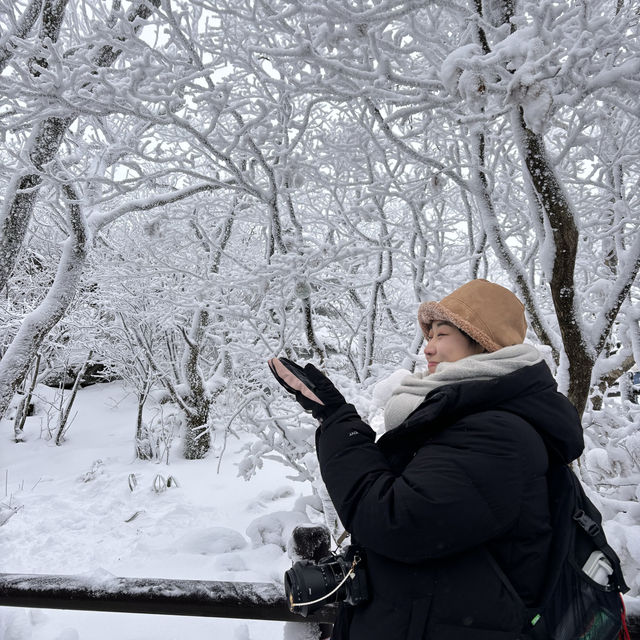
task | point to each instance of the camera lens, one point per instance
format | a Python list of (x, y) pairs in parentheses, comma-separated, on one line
[(307, 582)]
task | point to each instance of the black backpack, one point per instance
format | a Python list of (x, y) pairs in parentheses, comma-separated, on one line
[(582, 591)]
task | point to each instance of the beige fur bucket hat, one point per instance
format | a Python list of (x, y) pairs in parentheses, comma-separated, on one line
[(490, 314)]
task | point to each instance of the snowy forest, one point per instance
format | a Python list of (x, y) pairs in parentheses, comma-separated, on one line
[(190, 187)]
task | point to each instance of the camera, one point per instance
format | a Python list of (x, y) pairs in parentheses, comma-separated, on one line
[(337, 578)]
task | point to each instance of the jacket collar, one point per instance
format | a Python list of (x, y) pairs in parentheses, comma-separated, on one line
[(530, 392)]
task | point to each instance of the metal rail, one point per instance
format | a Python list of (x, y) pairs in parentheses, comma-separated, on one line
[(247, 600), (243, 600)]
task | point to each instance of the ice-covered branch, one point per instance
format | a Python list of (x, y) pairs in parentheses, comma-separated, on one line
[(416, 155), (99, 220), (496, 238), (20, 31), (629, 266), (157, 369), (42, 147)]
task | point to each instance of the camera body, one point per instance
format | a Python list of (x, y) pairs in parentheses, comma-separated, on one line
[(338, 578)]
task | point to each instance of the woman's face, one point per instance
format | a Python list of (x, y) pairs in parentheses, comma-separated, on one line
[(446, 343)]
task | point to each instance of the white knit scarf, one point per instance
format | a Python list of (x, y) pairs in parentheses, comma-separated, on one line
[(484, 366)]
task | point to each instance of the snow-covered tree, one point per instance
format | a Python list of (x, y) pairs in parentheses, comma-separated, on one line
[(304, 174)]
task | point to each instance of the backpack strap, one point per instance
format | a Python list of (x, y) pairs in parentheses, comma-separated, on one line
[(595, 532), (503, 577), (534, 626)]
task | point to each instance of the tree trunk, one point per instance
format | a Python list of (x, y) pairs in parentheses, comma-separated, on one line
[(24, 26), (42, 147), (25, 345), (23, 410), (22, 192), (499, 245), (560, 215), (64, 416), (143, 447), (197, 436)]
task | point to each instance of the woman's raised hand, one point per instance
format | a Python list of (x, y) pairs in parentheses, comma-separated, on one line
[(312, 389)]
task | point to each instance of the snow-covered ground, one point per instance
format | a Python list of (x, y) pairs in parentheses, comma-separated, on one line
[(76, 514)]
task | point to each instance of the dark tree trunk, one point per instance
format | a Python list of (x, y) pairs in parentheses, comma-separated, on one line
[(559, 213), (197, 436)]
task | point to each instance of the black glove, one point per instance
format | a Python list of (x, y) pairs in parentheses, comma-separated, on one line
[(312, 389)]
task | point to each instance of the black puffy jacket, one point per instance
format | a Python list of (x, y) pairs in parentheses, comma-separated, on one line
[(463, 477)]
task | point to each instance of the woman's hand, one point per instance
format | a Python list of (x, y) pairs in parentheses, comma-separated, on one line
[(312, 389)]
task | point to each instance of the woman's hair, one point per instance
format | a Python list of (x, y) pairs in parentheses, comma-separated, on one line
[(473, 342)]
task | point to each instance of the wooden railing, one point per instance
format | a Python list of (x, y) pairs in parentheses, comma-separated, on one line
[(248, 600), (245, 600), (205, 598)]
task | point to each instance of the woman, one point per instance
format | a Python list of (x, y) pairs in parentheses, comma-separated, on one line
[(454, 493)]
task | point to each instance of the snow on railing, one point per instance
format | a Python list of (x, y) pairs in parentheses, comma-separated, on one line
[(102, 591), (247, 600)]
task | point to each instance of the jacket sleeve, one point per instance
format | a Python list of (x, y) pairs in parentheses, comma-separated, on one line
[(460, 489)]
